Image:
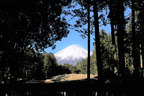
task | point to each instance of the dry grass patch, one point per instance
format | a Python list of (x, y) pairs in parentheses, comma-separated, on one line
[(68, 77)]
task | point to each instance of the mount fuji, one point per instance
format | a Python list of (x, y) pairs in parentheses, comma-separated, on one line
[(71, 55)]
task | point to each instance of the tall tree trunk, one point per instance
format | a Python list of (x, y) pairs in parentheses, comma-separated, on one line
[(112, 22), (97, 42), (134, 51), (112, 32), (88, 63), (120, 35)]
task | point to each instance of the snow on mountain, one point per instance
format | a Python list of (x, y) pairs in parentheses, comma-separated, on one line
[(71, 55)]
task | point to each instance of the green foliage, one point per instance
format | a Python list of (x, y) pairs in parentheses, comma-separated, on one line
[(51, 68), (30, 66), (70, 67), (107, 51), (37, 72), (123, 55), (82, 65), (129, 41), (29, 26), (128, 48), (39, 25), (50, 64)]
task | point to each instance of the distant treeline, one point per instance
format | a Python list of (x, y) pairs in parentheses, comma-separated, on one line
[(44, 67)]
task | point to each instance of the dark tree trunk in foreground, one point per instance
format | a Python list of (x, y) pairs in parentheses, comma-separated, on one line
[(97, 41), (111, 14), (120, 35), (134, 51), (112, 22)]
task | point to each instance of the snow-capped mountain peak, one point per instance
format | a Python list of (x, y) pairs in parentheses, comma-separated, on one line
[(71, 55)]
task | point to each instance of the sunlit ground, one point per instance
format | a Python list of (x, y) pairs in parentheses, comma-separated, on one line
[(68, 77)]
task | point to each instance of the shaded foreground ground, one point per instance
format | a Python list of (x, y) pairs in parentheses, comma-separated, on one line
[(73, 85)]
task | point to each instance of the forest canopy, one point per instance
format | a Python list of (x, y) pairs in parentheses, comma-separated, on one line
[(30, 26), (28, 23)]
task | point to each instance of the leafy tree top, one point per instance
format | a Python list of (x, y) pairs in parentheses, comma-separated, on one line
[(34, 23)]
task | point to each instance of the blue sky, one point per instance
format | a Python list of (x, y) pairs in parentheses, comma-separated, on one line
[(75, 38)]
